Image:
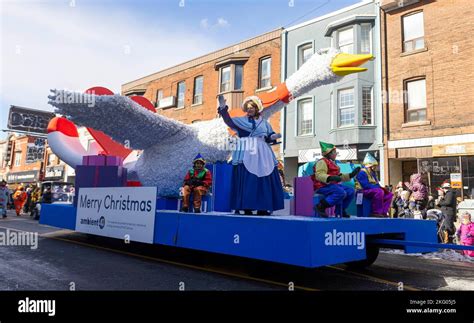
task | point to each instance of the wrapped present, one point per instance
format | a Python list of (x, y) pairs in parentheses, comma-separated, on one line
[(101, 176), (102, 160)]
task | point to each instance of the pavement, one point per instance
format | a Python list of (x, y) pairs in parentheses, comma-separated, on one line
[(67, 260)]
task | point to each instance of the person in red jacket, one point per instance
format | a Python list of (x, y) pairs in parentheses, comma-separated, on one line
[(327, 180), (197, 181)]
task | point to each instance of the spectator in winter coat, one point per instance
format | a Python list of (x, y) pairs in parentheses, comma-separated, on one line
[(4, 196), (448, 206), (419, 192), (466, 233)]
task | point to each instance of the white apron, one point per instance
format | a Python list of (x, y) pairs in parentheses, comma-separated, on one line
[(260, 161)]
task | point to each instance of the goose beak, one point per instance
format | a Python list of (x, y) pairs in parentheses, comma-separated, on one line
[(344, 64)]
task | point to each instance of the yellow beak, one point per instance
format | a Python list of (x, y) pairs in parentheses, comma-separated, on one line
[(344, 64)]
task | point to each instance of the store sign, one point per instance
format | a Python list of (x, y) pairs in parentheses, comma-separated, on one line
[(453, 150), (54, 172), (117, 212), (308, 155), (29, 120), (456, 180), (35, 151), (23, 177)]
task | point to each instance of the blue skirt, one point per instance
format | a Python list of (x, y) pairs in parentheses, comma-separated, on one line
[(255, 193)]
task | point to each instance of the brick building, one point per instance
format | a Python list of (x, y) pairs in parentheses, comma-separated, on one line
[(427, 75), (22, 161), (187, 92), (26, 159)]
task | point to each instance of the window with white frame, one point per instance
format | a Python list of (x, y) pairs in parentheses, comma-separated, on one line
[(365, 41), (346, 108), (51, 159), (305, 117), (345, 40), (265, 72), (415, 100), (197, 95), (180, 94), (238, 76), (17, 158), (159, 96), (413, 32), (367, 106), (225, 79), (304, 53)]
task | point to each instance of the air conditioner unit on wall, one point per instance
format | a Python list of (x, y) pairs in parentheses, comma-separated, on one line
[(167, 102)]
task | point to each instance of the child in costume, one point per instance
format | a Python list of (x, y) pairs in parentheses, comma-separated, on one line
[(367, 182), (327, 180), (197, 181), (466, 233), (256, 183)]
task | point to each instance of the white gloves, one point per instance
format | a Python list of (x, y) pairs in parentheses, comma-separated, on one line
[(275, 136), (222, 102)]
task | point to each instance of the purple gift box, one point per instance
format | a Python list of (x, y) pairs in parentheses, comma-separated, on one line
[(303, 188), (101, 160)]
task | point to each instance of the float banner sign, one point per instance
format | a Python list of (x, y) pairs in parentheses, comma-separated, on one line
[(117, 212)]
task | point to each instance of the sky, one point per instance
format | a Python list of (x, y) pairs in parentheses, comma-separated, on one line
[(77, 44)]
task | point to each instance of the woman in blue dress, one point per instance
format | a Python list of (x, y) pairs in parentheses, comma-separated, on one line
[(256, 183)]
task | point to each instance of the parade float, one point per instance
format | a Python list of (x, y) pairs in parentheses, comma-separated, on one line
[(127, 186)]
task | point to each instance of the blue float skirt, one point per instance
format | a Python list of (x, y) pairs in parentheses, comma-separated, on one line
[(255, 193)]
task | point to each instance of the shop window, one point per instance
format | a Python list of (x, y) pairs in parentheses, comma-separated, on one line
[(467, 163), (439, 170)]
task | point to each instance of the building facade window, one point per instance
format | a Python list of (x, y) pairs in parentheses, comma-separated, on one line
[(159, 96), (346, 108), (51, 159), (305, 117), (367, 106), (180, 94), (365, 39), (413, 32), (415, 100), (225, 79), (238, 77), (345, 40), (265, 73), (197, 95), (17, 158), (304, 53)]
